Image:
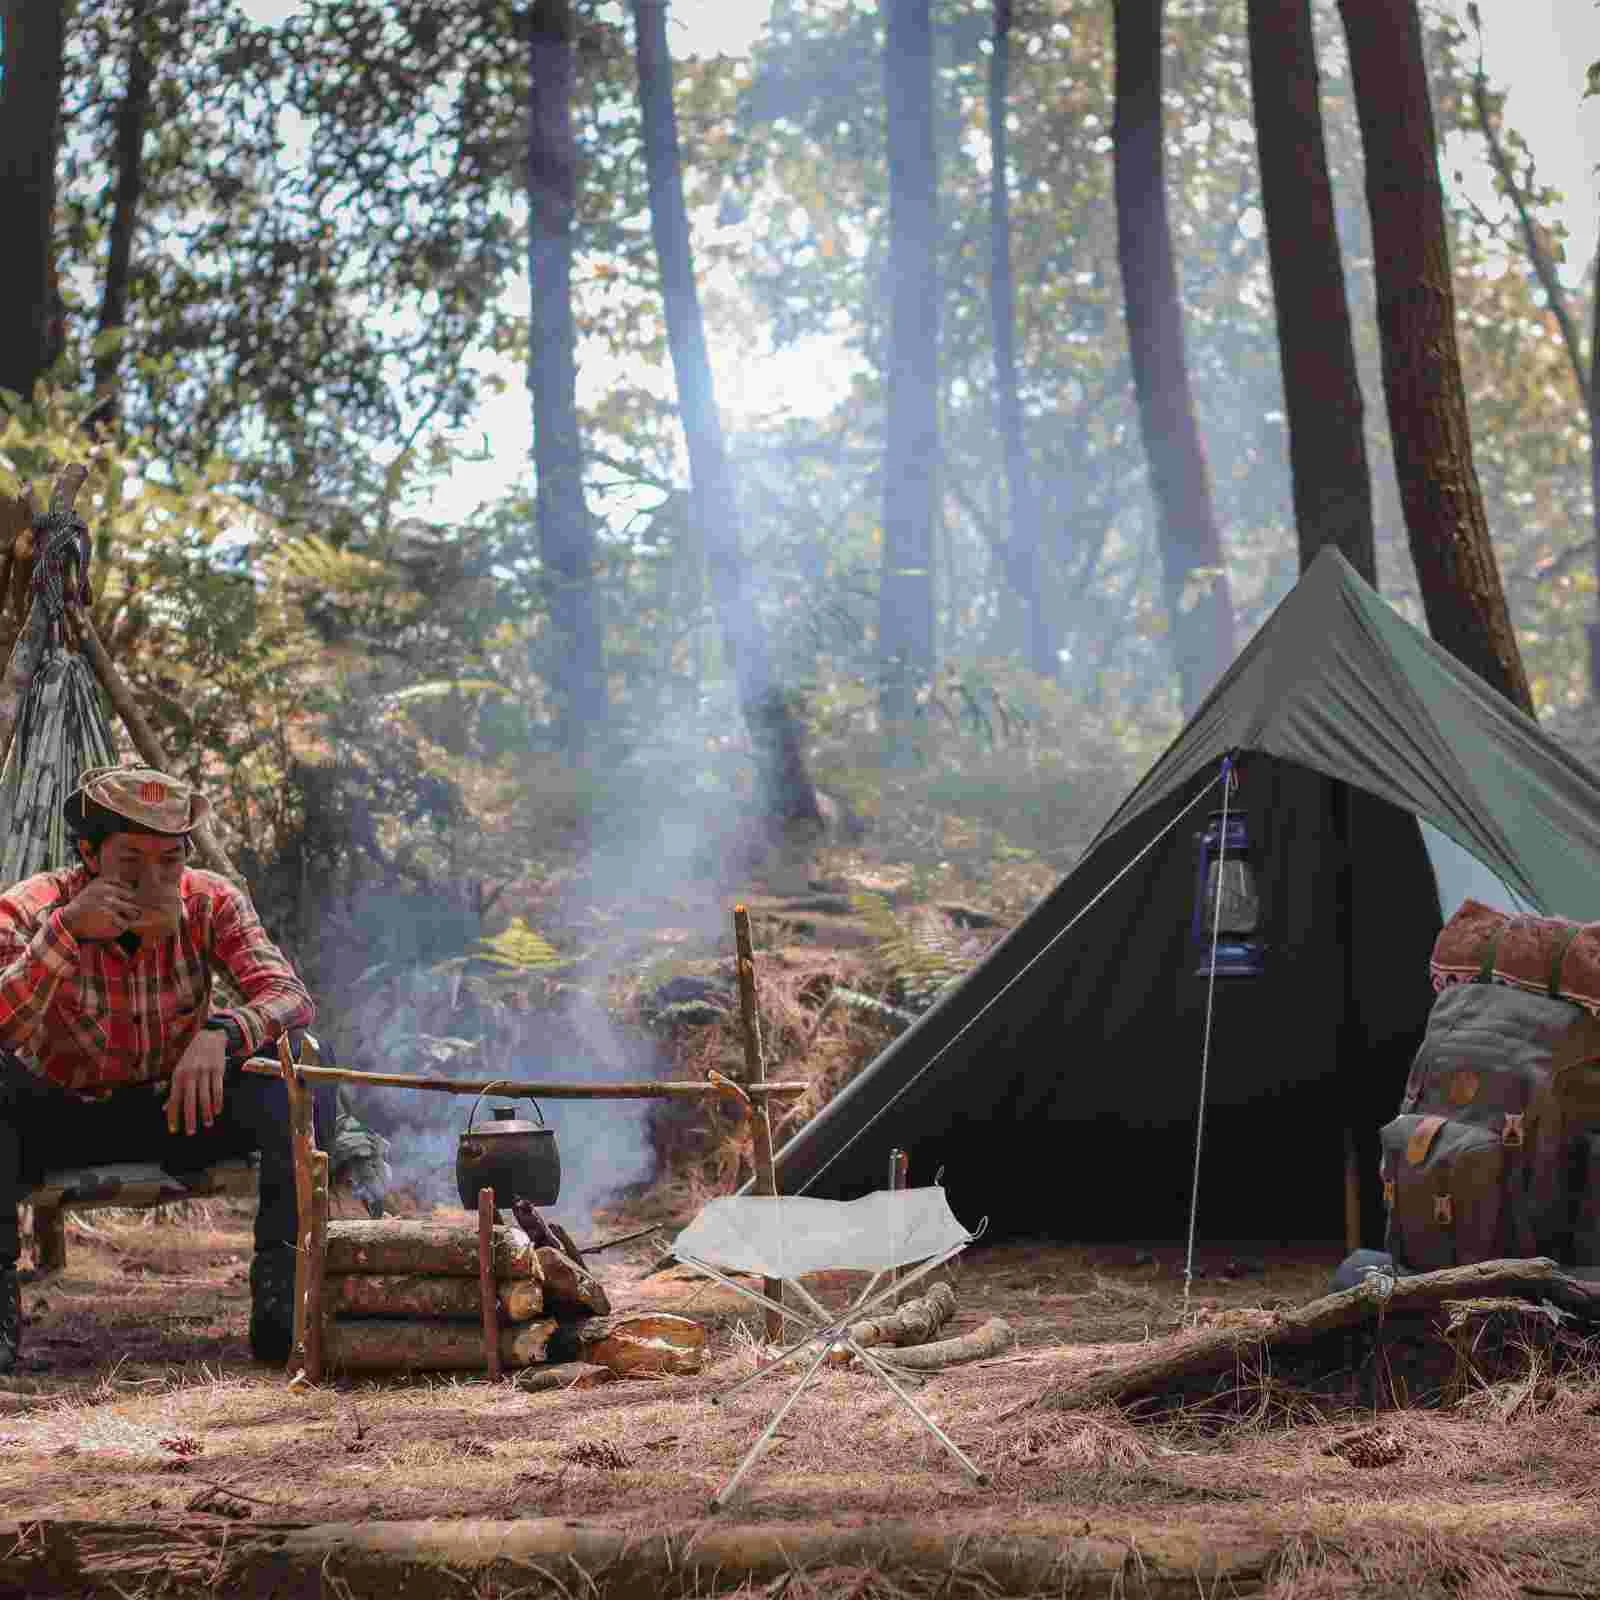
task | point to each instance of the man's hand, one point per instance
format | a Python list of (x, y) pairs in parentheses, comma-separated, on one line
[(197, 1084), (102, 909)]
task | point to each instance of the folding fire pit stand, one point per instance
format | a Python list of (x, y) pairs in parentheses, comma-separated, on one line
[(776, 1237)]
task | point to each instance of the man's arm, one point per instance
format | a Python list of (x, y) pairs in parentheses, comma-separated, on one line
[(36, 952), (274, 997)]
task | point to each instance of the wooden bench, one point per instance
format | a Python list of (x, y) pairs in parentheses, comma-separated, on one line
[(137, 1185)]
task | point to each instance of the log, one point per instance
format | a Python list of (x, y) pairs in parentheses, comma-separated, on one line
[(427, 1248), (413, 1560), (409, 1294), (914, 1323), (569, 1375), (644, 1346), (1162, 1366), (567, 1287), (992, 1339), (385, 1345)]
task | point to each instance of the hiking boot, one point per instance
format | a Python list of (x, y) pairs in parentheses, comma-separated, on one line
[(10, 1319), (272, 1304)]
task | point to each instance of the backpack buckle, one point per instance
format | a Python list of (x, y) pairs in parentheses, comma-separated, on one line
[(1512, 1135), (1443, 1210)]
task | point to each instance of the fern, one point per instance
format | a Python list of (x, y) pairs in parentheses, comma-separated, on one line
[(922, 953)]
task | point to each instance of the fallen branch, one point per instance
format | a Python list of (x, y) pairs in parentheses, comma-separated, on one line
[(914, 1323), (1161, 1367), (991, 1339)]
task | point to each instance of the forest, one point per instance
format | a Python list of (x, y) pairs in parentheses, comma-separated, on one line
[(851, 511)]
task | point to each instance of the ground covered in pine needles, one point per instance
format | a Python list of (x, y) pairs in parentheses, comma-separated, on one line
[(150, 1413)]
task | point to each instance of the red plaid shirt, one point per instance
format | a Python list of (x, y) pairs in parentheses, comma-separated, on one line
[(88, 1016)]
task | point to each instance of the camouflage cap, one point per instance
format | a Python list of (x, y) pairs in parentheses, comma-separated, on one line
[(150, 800)]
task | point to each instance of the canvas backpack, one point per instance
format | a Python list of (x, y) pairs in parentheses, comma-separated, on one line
[(1496, 1151)]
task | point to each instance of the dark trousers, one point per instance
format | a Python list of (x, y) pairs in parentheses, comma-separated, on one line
[(43, 1129)]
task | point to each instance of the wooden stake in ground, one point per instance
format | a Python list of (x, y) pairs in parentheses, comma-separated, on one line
[(491, 1316), (755, 1072), (898, 1162), (301, 1145)]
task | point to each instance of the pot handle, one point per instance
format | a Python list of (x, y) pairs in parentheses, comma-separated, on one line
[(496, 1088)]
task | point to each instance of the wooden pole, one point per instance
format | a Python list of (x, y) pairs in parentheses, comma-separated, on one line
[(300, 1145), (516, 1087), (486, 1289), (755, 1076), (316, 1234), (898, 1161), (1352, 1192), (140, 731)]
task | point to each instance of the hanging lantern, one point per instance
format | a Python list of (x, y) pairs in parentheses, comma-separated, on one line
[(1228, 892)]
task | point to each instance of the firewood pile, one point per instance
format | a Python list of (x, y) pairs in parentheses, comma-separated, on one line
[(406, 1296)]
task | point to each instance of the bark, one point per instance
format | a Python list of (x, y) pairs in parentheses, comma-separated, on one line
[(1163, 1365), (568, 1287), (132, 119), (566, 532), (407, 1560), (911, 444), (1321, 384), (30, 129), (645, 1346), (784, 784), (1022, 551), (381, 1294), (992, 1339), (914, 1323), (431, 1249), (384, 1345), (1458, 575)]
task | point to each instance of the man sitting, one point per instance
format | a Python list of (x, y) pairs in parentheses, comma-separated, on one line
[(110, 1049)]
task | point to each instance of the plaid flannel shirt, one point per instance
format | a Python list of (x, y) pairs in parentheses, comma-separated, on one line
[(89, 1016)]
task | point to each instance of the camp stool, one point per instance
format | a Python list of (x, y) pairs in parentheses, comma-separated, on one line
[(786, 1237)]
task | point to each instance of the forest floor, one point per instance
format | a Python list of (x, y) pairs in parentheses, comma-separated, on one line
[(143, 1453), (141, 1430)]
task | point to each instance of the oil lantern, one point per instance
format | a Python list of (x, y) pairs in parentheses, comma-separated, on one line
[(1227, 890)]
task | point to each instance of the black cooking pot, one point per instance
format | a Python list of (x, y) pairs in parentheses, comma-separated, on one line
[(518, 1160)]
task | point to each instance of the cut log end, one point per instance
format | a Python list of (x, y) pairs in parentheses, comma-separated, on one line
[(651, 1345)]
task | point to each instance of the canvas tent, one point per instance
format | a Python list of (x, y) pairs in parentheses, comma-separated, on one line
[(1057, 1084)]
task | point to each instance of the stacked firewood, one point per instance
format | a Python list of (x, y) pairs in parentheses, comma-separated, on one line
[(405, 1295)]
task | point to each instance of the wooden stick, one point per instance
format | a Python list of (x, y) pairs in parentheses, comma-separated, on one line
[(515, 1087), (140, 731), (755, 1077), (486, 1294), (316, 1265), (300, 1145), (898, 1160)]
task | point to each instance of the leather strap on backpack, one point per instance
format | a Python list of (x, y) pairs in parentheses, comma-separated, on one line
[(1563, 944), (1558, 956)]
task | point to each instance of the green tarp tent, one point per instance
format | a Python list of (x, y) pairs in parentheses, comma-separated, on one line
[(1057, 1085)]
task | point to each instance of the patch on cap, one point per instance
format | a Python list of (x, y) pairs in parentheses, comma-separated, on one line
[(153, 793)]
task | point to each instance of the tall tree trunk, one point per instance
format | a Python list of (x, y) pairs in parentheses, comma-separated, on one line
[(566, 534), (1321, 385), (133, 117), (786, 792), (30, 126), (1024, 566), (1194, 581), (911, 446), (1462, 595)]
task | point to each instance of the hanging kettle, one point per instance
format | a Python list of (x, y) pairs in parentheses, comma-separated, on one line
[(518, 1160)]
